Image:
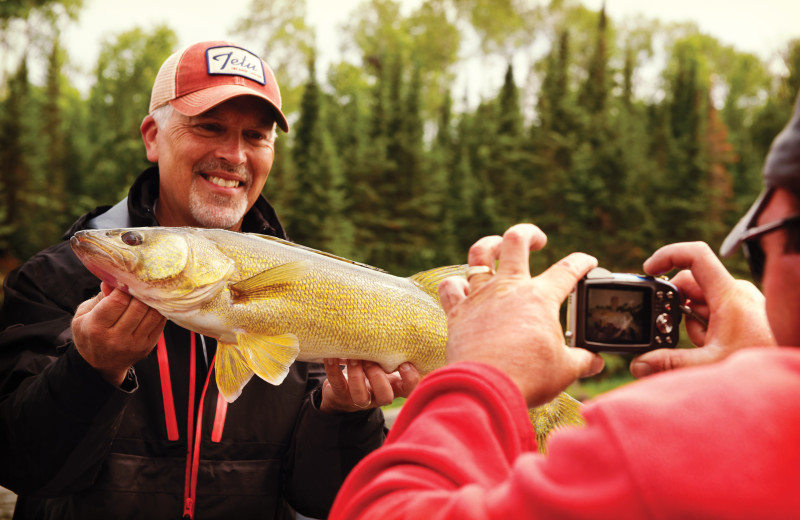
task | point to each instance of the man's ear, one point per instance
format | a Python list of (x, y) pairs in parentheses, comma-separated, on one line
[(149, 130)]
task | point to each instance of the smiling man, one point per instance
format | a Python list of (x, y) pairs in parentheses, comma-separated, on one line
[(106, 411)]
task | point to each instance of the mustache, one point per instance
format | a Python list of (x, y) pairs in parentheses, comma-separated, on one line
[(222, 165)]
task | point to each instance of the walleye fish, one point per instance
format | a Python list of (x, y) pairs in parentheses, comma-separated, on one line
[(269, 302)]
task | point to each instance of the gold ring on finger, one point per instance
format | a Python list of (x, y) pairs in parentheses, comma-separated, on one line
[(364, 407), (478, 269)]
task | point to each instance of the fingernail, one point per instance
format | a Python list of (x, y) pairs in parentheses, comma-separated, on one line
[(641, 369), (597, 365), (353, 362)]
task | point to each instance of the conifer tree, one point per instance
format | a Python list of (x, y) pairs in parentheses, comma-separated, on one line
[(15, 173), (309, 200)]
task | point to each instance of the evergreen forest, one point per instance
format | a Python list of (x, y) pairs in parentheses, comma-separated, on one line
[(614, 138)]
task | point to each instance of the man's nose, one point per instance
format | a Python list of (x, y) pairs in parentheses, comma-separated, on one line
[(232, 148)]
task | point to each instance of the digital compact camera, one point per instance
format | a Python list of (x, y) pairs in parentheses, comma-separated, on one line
[(617, 312)]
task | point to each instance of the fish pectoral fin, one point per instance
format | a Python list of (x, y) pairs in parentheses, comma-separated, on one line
[(270, 283), (232, 371), (269, 356)]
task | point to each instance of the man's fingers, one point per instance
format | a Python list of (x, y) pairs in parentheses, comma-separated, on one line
[(111, 308), (515, 249), (587, 363), (688, 286), (356, 380), (409, 379), (335, 376), (707, 269), (484, 252), (382, 393), (662, 360), (561, 277), (151, 327), (452, 291)]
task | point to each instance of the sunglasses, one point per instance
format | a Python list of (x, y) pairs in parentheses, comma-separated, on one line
[(751, 244)]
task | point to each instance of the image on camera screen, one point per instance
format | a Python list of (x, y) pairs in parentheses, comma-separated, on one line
[(618, 316)]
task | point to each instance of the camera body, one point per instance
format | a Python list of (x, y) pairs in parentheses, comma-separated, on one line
[(618, 312)]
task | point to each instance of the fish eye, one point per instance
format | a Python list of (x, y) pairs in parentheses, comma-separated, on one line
[(132, 238)]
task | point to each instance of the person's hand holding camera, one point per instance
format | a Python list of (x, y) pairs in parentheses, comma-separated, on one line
[(734, 309), (511, 321)]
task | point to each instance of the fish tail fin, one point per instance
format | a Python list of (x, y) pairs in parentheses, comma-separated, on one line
[(269, 356), (429, 280), (232, 371), (564, 410)]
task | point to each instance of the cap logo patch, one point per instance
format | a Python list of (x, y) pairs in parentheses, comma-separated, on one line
[(235, 61)]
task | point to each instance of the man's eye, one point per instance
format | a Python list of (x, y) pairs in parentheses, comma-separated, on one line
[(255, 136), (210, 127)]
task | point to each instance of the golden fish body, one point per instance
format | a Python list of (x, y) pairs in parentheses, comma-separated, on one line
[(269, 302)]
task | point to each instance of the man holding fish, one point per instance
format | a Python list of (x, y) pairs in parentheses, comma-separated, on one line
[(103, 425)]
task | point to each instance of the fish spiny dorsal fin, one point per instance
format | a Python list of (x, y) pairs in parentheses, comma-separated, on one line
[(316, 251), (562, 411), (232, 371), (429, 280), (269, 356), (270, 283)]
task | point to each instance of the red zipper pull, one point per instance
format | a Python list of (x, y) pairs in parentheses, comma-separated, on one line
[(188, 508)]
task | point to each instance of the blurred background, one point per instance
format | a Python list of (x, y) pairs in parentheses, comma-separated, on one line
[(418, 127)]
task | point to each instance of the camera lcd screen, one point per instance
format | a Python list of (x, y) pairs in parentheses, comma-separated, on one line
[(618, 316)]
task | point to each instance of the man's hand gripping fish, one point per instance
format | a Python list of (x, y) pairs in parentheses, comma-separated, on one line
[(269, 302)]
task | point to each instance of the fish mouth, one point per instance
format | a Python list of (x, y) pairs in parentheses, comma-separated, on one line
[(102, 258)]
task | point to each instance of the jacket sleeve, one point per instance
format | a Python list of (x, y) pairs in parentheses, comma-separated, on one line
[(325, 448), (463, 448), (57, 414)]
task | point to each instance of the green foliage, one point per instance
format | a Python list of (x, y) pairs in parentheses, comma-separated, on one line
[(384, 167), (120, 98)]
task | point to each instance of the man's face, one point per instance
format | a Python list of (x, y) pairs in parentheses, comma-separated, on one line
[(781, 271), (212, 166)]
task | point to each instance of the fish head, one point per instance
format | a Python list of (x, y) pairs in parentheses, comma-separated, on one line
[(170, 269)]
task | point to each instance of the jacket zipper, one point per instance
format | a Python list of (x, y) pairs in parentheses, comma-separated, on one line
[(194, 427)]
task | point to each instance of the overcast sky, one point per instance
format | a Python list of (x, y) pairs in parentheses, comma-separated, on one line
[(759, 26)]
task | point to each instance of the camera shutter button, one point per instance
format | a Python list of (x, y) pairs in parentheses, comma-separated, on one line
[(664, 323)]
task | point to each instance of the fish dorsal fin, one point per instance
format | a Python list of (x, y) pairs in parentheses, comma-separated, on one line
[(316, 251), (232, 371), (429, 280), (269, 356), (269, 283)]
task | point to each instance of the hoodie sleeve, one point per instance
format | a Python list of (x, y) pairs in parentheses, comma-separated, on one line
[(325, 448), (57, 414)]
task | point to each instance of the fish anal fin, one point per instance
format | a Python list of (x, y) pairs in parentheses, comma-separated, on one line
[(270, 283), (270, 357), (562, 411), (429, 280), (232, 371)]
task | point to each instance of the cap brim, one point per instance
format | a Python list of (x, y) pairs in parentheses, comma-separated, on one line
[(734, 239), (197, 102)]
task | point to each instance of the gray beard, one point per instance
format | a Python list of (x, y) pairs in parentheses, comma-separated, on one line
[(216, 211)]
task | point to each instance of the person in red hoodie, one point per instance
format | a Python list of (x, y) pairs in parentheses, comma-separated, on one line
[(719, 438)]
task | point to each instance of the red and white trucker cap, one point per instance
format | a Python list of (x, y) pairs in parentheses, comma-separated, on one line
[(201, 76)]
